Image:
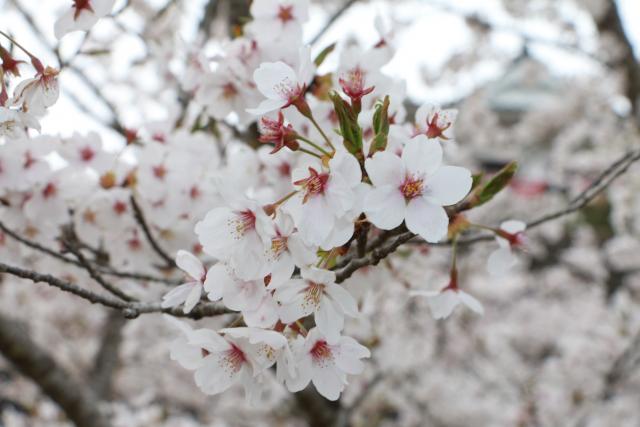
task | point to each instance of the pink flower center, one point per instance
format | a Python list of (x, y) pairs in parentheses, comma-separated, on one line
[(278, 245), (353, 84), (28, 160), (86, 154), (321, 352), (229, 91), (314, 185), (233, 360), (435, 129), (194, 192), (284, 169), (289, 90), (119, 207), (159, 171), (81, 5), (313, 294), (134, 244), (412, 187), (285, 14), (49, 190), (243, 222)]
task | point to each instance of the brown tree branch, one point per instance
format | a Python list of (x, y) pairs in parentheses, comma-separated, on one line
[(140, 219), (107, 357), (77, 401), (379, 250), (130, 310), (109, 271)]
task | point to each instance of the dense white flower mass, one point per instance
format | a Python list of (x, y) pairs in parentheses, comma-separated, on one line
[(298, 211)]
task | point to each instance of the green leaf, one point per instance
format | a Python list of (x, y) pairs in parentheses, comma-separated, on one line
[(380, 126), (349, 129), (323, 55), (477, 180), (496, 184)]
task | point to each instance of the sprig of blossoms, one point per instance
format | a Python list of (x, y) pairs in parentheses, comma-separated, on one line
[(265, 233)]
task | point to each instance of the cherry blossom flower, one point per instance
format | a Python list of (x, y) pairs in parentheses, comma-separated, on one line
[(224, 91), (48, 201), (352, 84), (82, 16), (278, 19), (414, 188), (37, 94), (87, 151), (222, 283), (29, 165), (237, 233), (190, 292), (272, 348), (285, 250), (434, 122), (510, 237), (324, 196), (443, 302), (9, 63), (282, 85), (317, 293), (327, 363), (188, 356), (225, 362), (13, 123), (277, 133)]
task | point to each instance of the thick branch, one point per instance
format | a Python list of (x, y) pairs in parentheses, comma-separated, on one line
[(77, 401), (107, 356)]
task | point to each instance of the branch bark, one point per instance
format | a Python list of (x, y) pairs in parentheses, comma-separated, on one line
[(142, 222), (77, 401), (107, 357), (131, 310)]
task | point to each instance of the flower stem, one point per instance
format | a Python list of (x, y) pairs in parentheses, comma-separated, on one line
[(313, 144), (324, 135), (8, 37), (285, 198), (484, 227), (310, 152)]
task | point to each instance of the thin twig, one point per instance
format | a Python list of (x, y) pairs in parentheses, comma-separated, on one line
[(333, 18), (139, 216), (379, 251), (130, 309), (95, 275), (109, 271)]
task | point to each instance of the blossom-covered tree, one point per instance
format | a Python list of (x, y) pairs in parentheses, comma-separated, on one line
[(257, 212)]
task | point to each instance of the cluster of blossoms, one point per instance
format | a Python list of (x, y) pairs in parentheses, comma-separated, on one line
[(341, 167)]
